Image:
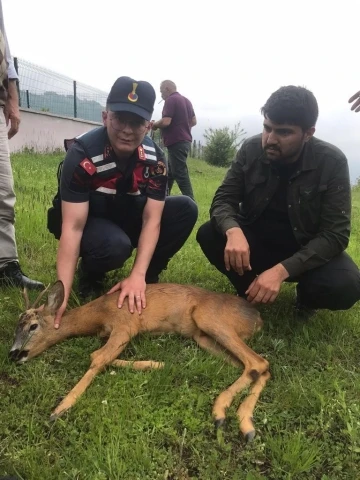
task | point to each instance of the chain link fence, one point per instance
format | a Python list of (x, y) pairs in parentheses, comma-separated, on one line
[(47, 91), (44, 90)]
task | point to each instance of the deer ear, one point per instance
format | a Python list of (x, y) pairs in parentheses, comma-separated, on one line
[(55, 297)]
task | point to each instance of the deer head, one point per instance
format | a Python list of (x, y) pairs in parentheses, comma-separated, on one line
[(35, 329)]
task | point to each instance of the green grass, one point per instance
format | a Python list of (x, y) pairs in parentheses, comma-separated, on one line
[(158, 425)]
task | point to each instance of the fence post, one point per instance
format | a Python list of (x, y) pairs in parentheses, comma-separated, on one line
[(75, 103), (16, 65), (27, 98)]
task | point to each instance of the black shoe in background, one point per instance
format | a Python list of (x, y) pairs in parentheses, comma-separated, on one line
[(302, 313), (154, 270), (90, 284), (12, 276), (151, 279)]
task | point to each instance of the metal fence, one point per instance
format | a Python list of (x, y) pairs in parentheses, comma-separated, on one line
[(44, 90), (47, 91)]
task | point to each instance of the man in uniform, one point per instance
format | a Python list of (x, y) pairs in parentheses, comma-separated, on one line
[(113, 199)]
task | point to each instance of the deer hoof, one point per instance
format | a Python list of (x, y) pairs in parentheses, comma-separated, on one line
[(56, 414), (219, 423), (249, 437)]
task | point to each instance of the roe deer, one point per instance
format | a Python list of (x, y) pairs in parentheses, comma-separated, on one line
[(218, 322)]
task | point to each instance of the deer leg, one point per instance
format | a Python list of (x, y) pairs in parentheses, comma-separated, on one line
[(254, 365), (210, 345), (225, 399), (99, 359), (246, 408), (138, 364)]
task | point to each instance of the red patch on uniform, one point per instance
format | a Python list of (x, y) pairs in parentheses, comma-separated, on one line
[(107, 151), (88, 166), (141, 153)]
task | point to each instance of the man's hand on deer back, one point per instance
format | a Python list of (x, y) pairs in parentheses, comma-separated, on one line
[(133, 288)]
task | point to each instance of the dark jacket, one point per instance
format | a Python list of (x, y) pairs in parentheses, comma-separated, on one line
[(318, 196)]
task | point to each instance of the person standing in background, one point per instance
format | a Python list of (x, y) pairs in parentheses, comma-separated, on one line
[(178, 118), (10, 271)]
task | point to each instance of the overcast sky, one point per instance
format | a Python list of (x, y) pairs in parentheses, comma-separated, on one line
[(227, 58)]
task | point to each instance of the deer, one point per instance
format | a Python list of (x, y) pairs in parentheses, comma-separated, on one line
[(220, 323)]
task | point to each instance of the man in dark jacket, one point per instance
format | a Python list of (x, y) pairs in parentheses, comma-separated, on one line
[(283, 212)]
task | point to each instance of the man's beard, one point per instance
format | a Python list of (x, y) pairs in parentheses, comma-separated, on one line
[(278, 157)]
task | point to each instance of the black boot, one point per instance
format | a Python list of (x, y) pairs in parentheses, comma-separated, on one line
[(151, 279), (12, 276), (301, 312), (154, 270), (90, 284)]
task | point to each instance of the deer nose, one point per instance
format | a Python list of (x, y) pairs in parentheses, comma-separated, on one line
[(13, 354), (17, 355)]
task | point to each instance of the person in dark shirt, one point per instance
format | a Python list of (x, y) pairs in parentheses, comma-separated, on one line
[(178, 118), (283, 212), (113, 199)]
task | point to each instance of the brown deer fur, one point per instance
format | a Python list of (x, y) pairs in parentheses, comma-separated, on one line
[(218, 322)]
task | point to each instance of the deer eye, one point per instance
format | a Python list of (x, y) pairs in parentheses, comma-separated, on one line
[(33, 327)]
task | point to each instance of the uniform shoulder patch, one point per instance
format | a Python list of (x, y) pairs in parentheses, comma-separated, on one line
[(88, 166), (159, 168)]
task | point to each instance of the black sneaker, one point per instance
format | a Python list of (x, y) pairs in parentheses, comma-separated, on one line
[(156, 267), (302, 313), (12, 276), (151, 279), (90, 284)]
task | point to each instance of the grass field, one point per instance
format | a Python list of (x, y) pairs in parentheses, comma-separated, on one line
[(157, 424)]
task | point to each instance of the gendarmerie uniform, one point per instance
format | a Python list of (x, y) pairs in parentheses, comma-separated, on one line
[(117, 194)]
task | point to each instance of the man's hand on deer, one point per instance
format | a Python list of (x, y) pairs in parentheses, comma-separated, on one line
[(134, 288), (266, 287), (59, 314)]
